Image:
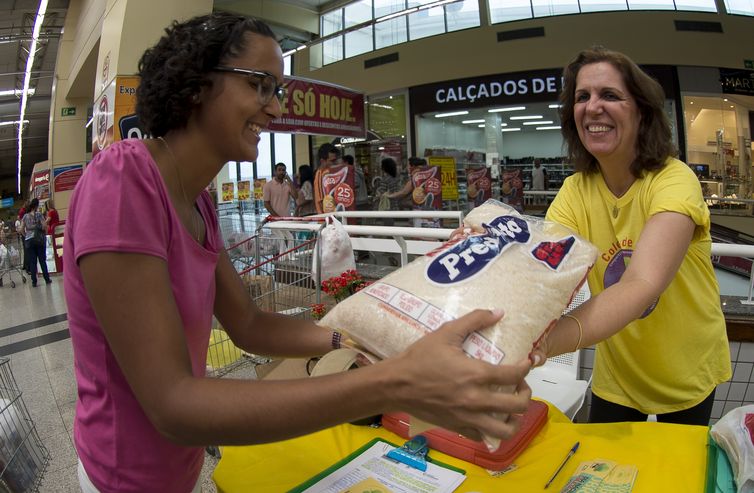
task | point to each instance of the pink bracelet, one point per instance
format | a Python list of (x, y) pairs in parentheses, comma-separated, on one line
[(336, 338)]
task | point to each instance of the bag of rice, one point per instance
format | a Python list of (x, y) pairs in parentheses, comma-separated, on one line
[(526, 266)]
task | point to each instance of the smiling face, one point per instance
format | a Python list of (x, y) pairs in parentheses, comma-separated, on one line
[(230, 113), (606, 115)]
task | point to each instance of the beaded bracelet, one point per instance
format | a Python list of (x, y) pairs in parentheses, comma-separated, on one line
[(581, 330), (336, 338)]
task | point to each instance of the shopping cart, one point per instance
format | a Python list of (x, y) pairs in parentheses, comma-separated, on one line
[(23, 456), (11, 248), (276, 268)]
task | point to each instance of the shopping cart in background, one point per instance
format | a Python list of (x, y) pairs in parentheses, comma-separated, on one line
[(23, 456), (276, 268), (11, 255)]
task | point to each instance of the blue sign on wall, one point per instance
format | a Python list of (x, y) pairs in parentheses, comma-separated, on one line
[(5, 203)]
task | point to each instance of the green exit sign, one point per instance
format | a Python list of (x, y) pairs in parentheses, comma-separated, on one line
[(70, 111), (749, 63)]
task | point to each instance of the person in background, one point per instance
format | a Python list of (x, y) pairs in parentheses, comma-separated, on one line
[(145, 276), (19, 229), (305, 200), (655, 308), (35, 246), (360, 185), (278, 192), (389, 183), (415, 164), (53, 219), (328, 156), (538, 179)]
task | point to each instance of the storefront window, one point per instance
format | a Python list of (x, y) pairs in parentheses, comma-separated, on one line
[(358, 12), (385, 7), (741, 7), (428, 22), (462, 15), (543, 8), (390, 32), (359, 41), (651, 5), (718, 131), (509, 10)]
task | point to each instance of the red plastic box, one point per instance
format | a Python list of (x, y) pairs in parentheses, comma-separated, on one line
[(477, 453)]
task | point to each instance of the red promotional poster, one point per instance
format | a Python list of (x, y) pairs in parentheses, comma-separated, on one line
[(512, 189), (478, 185), (40, 184), (319, 108), (427, 192), (338, 189), (66, 177)]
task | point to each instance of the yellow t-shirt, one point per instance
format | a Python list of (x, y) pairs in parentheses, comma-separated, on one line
[(672, 357)]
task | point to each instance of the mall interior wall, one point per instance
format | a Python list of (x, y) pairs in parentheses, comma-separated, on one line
[(649, 37)]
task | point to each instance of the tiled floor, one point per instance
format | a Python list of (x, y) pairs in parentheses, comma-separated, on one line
[(34, 335)]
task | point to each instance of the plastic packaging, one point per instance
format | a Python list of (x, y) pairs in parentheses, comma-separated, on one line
[(334, 250), (528, 267), (735, 434)]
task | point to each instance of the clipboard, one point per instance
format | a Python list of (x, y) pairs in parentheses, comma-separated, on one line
[(353, 455)]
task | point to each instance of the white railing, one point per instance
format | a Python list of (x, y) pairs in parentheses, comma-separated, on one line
[(393, 239)]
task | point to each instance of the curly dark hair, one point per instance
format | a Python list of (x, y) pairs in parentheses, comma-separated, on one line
[(654, 144), (175, 70), (389, 166)]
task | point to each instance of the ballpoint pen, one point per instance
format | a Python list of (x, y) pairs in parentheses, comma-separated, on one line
[(562, 464)]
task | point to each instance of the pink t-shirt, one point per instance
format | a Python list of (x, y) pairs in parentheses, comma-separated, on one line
[(121, 205)]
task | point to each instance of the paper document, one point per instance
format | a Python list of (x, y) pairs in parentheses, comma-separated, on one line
[(395, 477)]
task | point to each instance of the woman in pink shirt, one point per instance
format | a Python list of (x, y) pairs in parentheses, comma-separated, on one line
[(146, 273)]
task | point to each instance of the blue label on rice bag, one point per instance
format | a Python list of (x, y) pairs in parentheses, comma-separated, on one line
[(471, 256)]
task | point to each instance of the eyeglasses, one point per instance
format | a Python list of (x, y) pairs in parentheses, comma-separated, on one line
[(266, 83)]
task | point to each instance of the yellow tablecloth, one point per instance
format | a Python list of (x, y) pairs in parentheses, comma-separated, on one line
[(670, 458)]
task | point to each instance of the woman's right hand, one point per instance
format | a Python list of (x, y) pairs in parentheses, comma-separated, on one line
[(440, 384)]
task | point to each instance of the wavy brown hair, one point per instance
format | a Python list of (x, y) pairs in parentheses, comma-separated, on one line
[(175, 70), (653, 143)]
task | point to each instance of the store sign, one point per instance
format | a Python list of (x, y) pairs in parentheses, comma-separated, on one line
[(506, 89), (321, 109), (737, 81), (66, 177), (115, 114), (540, 85), (448, 175), (40, 184), (6, 203)]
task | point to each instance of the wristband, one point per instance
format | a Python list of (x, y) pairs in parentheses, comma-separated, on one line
[(336, 338)]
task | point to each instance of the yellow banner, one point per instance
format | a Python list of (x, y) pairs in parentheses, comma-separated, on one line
[(448, 175), (228, 190), (259, 188), (244, 189)]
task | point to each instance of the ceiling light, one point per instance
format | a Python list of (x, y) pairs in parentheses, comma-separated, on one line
[(731, 106), (27, 77), (691, 102), (510, 108), (481, 126), (510, 129), (554, 127), (473, 121), (725, 99), (16, 92), (503, 124), (555, 106), (529, 117), (539, 122), (14, 122), (453, 113)]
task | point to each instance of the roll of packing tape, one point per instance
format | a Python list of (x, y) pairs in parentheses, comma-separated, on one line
[(335, 362)]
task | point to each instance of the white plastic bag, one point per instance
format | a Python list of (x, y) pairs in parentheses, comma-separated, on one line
[(334, 250), (735, 434), (528, 267)]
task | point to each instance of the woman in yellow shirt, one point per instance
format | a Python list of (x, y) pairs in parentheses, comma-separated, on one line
[(655, 308)]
